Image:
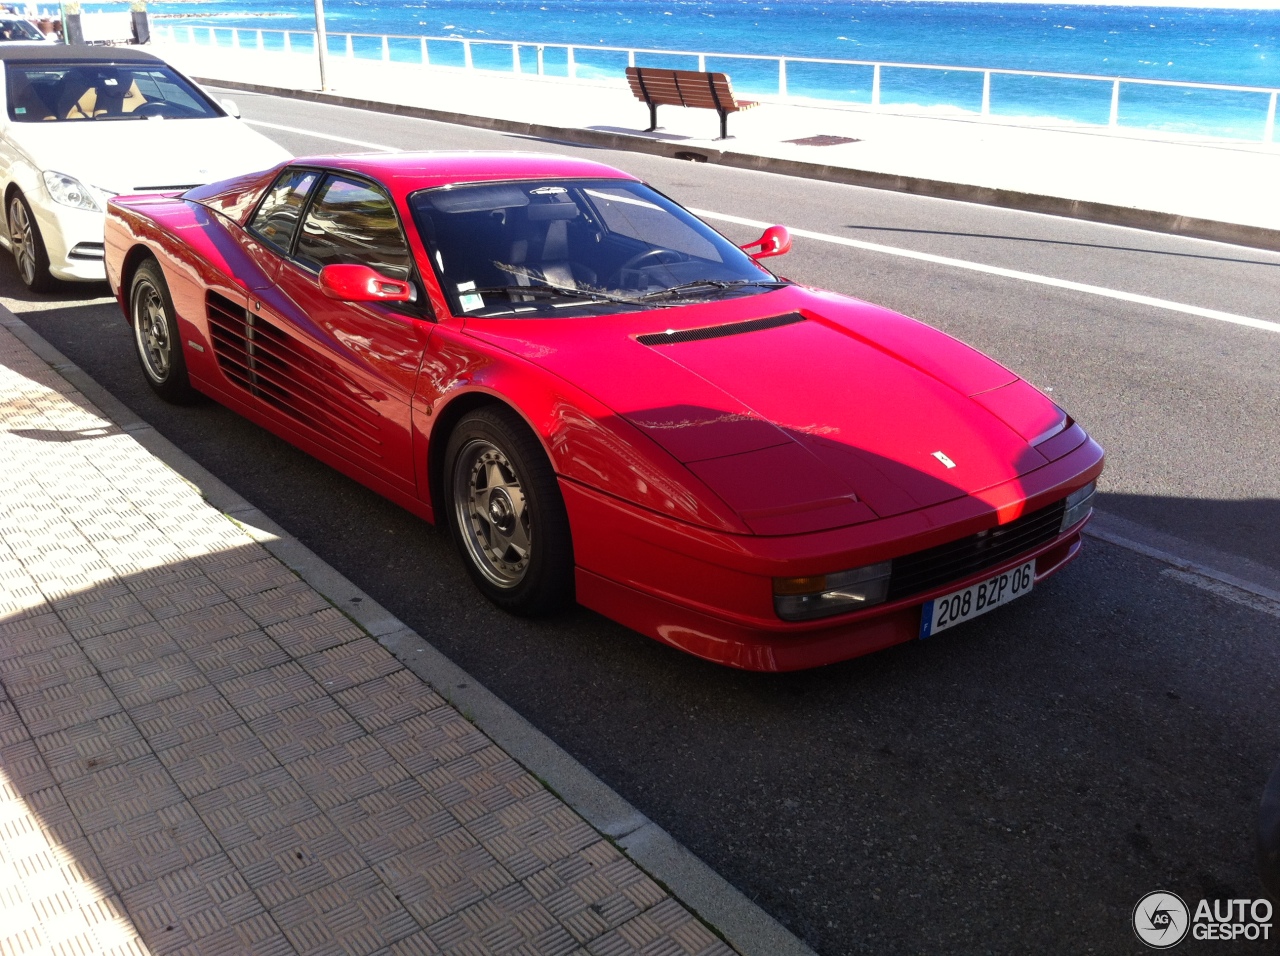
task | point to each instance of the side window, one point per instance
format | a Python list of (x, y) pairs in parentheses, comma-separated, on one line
[(277, 217), (351, 222)]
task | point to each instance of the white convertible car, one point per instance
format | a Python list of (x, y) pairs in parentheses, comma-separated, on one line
[(79, 125)]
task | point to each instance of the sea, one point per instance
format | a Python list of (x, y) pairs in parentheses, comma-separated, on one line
[(1204, 45)]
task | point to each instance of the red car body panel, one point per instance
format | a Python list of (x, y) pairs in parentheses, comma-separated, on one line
[(693, 472)]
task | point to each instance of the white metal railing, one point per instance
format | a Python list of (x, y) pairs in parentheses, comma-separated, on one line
[(422, 45)]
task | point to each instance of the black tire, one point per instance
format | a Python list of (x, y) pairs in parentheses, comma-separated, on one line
[(27, 246), (155, 336), (506, 514)]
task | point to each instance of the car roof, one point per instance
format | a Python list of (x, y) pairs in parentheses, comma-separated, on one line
[(66, 53), (404, 173)]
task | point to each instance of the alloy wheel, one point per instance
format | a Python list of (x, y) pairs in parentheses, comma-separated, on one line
[(492, 513)]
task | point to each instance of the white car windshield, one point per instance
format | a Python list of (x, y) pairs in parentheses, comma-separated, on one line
[(73, 92), (541, 247), (11, 30)]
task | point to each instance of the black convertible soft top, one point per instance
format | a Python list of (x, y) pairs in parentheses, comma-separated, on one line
[(66, 53)]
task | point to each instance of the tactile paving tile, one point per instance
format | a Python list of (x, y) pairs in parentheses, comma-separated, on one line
[(317, 631), (356, 915), (594, 890), (245, 810), (509, 921), (350, 664), (236, 759), (664, 930)]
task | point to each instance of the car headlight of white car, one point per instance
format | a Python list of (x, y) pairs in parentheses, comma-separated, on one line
[(69, 191)]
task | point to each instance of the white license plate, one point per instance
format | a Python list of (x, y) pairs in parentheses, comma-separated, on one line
[(967, 603)]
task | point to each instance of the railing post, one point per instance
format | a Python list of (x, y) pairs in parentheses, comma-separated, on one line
[(782, 76), (1115, 105), (288, 43), (422, 51), (257, 43), (986, 92), (467, 62), (515, 58), (572, 65), (631, 58), (875, 87), (351, 52), (702, 63), (541, 66), (235, 39), (1269, 131), (386, 49)]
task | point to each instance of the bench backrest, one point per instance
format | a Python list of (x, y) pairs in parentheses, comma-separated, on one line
[(682, 88)]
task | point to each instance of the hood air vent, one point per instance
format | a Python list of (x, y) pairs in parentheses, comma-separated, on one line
[(719, 331)]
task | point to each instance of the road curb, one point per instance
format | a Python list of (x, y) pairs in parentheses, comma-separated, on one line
[(1172, 223), (746, 927)]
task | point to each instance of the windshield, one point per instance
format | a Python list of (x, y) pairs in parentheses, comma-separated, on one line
[(47, 92), (18, 30), (542, 247)]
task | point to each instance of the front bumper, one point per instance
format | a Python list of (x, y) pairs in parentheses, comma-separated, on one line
[(72, 240), (710, 593)]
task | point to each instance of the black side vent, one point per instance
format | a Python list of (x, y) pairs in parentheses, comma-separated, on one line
[(924, 570), (719, 331), (261, 359)]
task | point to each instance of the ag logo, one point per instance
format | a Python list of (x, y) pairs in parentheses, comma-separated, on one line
[(1161, 919)]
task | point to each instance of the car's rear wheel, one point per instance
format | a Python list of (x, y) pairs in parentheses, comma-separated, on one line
[(27, 245), (506, 513), (155, 333)]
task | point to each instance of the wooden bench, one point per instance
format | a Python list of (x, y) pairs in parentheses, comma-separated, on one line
[(710, 91)]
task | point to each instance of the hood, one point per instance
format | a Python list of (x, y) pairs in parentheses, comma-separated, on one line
[(821, 413), (122, 157)]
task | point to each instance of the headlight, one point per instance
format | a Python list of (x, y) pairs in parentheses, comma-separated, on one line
[(821, 595), (1079, 504), (69, 191)]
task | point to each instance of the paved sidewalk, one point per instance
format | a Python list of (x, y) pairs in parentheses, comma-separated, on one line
[(1192, 185), (199, 754)]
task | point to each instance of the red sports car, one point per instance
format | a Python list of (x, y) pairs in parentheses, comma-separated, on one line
[(605, 399)]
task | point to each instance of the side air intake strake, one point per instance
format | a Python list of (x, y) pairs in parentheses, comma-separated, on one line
[(718, 331), (261, 359)]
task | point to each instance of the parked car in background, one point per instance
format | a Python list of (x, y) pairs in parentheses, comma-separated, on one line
[(603, 398), (16, 30), (79, 125)]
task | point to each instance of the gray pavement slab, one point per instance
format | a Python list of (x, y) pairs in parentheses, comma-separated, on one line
[(200, 753)]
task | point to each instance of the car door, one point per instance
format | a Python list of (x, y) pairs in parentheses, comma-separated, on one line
[(343, 371)]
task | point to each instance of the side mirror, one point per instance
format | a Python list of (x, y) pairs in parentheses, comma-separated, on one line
[(356, 283), (230, 107), (776, 241)]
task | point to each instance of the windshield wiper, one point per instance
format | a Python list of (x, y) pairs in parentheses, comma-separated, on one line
[(716, 285), (553, 291)]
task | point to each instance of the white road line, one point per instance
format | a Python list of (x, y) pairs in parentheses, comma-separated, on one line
[(1008, 273), (1195, 310), (336, 139), (1246, 598)]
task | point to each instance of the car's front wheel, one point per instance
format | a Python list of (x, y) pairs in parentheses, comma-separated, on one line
[(506, 513), (155, 333), (27, 245)]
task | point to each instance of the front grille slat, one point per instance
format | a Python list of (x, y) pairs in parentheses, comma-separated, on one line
[(956, 560)]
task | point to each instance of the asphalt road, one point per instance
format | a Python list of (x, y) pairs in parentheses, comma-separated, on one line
[(1015, 786)]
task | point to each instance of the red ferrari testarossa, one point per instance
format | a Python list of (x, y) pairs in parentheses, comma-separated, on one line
[(605, 399)]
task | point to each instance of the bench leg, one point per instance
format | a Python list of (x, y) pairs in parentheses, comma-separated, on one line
[(724, 124), (653, 117)]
